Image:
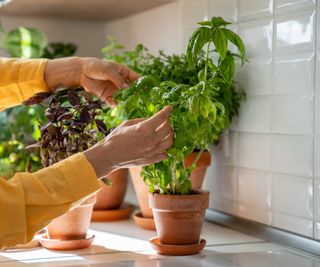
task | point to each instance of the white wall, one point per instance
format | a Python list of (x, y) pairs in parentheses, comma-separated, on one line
[(267, 168), (89, 36), (272, 175), (157, 29)]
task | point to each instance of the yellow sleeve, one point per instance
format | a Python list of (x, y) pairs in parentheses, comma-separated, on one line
[(20, 79), (28, 201)]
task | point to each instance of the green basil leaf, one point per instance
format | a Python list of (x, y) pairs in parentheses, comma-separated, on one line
[(227, 68), (236, 40), (200, 37), (219, 21), (220, 41), (205, 23), (189, 51)]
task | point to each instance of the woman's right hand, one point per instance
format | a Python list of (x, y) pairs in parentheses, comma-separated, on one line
[(133, 143)]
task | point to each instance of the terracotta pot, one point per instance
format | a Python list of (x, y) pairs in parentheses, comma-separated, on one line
[(72, 225), (111, 197), (179, 218), (142, 192), (196, 178)]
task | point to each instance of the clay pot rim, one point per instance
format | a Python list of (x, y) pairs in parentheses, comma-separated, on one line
[(180, 203), (195, 193)]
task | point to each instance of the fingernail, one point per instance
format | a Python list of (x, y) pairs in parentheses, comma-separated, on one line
[(124, 85)]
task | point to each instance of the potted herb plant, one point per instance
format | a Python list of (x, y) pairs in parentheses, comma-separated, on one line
[(72, 126), (162, 68), (202, 110)]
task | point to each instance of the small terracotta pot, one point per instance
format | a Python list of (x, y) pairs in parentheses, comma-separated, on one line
[(196, 179), (72, 225), (111, 197), (142, 192), (179, 218)]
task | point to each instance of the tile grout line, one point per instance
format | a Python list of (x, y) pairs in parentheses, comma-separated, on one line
[(272, 105), (314, 124)]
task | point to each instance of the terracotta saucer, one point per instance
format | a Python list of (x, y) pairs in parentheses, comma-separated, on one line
[(176, 250), (57, 244), (143, 222), (121, 213)]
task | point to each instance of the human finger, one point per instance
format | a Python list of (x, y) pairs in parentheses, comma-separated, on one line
[(127, 73), (158, 118), (163, 130), (164, 144)]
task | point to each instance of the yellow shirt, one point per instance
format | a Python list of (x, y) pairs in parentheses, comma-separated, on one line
[(28, 201)]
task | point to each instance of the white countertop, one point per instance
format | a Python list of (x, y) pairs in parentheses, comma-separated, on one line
[(123, 244)]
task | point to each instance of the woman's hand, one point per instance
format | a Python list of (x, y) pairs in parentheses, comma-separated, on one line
[(134, 142), (99, 77)]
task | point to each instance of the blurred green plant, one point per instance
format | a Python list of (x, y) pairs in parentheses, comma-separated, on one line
[(24, 42), (19, 125), (59, 49)]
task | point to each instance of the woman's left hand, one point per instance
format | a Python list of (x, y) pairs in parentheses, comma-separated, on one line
[(99, 77)]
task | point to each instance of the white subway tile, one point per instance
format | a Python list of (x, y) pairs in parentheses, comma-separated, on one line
[(294, 74), (226, 9), (253, 213), (293, 115), (292, 224), (223, 204), (295, 33), (317, 232), (292, 155), (317, 199), (254, 188), (255, 77), (254, 151), (317, 115), (317, 156), (249, 9), (317, 89), (318, 25), (226, 151), (192, 13), (286, 6), (292, 195), (257, 36), (234, 124), (255, 114), (221, 180)]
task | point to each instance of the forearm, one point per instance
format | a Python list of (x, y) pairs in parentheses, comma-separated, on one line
[(30, 201), (63, 73), (100, 157)]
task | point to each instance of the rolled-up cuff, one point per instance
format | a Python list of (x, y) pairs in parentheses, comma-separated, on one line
[(80, 176), (31, 78)]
